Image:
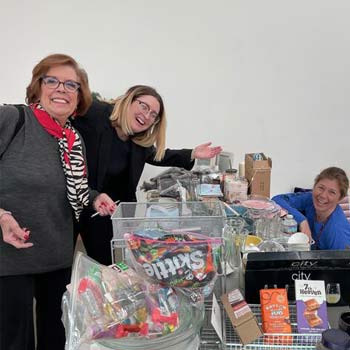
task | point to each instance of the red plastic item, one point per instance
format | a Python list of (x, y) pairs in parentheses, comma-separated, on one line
[(124, 329), (158, 317)]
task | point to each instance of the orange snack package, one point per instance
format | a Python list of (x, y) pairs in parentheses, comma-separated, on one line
[(275, 315)]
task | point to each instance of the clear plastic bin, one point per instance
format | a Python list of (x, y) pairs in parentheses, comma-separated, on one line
[(206, 218)]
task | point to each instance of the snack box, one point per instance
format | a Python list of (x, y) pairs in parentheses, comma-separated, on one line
[(241, 316), (310, 297), (275, 315)]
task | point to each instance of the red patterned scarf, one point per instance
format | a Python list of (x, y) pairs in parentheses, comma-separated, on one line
[(72, 158)]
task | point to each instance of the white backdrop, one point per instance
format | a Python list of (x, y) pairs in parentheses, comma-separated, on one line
[(268, 76)]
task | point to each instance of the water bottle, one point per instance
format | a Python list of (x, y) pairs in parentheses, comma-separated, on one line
[(290, 226)]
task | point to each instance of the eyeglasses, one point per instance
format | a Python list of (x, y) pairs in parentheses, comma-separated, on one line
[(145, 108), (54, 83)]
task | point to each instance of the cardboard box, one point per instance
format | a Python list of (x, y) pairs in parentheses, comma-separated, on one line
[(311, 304), (241, 316), (281, 269), (258, 174), (275, 315)]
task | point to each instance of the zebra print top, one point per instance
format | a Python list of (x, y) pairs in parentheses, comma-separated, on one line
[(72, 158)]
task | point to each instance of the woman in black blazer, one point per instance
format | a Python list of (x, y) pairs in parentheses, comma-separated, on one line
[(119, 140)]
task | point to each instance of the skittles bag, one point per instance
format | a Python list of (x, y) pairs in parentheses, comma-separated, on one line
[(184, 260)]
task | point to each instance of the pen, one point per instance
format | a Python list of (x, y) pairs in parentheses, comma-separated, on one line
[(230, 208), (97, 213)]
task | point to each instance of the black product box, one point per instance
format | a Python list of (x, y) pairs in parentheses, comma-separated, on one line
[(281, 269)]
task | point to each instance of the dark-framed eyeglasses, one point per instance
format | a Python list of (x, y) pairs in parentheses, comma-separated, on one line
[(54, 83), (145, 109)]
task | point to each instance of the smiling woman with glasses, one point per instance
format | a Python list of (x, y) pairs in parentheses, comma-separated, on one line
[(43, 189), (120, 138)]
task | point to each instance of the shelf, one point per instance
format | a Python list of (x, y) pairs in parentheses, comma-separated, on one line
[(210, 340)]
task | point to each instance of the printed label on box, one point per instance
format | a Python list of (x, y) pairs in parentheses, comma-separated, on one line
[(241, 309), (311, 305), (235, 296)]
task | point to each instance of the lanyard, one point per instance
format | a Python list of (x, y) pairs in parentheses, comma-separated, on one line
[(317, 239)]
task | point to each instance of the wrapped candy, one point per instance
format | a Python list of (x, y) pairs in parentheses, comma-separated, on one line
[(114, 302), (183, 260)]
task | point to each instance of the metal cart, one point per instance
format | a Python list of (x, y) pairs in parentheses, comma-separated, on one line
[(209, 218)]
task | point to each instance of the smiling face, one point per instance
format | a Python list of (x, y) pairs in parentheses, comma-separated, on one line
[(58, 102), (326, 195), (142, 113)]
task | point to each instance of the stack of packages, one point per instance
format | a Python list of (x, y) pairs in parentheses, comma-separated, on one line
[(173, 183)]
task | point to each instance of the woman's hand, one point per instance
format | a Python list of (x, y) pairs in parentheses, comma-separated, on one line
[(104, 204), (12, 233), (305, 228), (204, 151)]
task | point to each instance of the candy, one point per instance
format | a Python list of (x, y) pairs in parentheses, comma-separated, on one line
[(177, 260)]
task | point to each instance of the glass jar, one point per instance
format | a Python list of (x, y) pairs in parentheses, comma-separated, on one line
[(234, 237), (152, 196), (228, 179), (235, 187), (186, 337)]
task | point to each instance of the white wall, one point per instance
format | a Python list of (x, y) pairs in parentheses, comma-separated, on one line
[(271, 76)]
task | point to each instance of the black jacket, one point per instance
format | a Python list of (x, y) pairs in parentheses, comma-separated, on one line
[(97, 132)]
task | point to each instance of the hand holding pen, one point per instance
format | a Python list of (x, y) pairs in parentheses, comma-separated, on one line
[(104, 205)]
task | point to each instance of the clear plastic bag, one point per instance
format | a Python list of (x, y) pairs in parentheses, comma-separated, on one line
[(114, 302), (184, 260)]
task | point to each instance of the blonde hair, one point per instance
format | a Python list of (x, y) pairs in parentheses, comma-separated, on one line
[(155, 134)]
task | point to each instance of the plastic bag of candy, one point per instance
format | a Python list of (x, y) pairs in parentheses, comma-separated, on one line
[(185, 260), (114, 302)]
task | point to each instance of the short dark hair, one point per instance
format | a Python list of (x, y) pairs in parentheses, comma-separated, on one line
[(54, 60)]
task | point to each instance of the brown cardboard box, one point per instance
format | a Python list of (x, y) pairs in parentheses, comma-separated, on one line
[(241, 316), (258, 174)]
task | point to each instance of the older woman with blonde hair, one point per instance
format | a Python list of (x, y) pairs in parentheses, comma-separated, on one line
[(120, 138), (43, 188)]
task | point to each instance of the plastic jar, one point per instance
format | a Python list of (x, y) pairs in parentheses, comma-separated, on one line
[(289, 225), (344, 322), (334, 339)]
